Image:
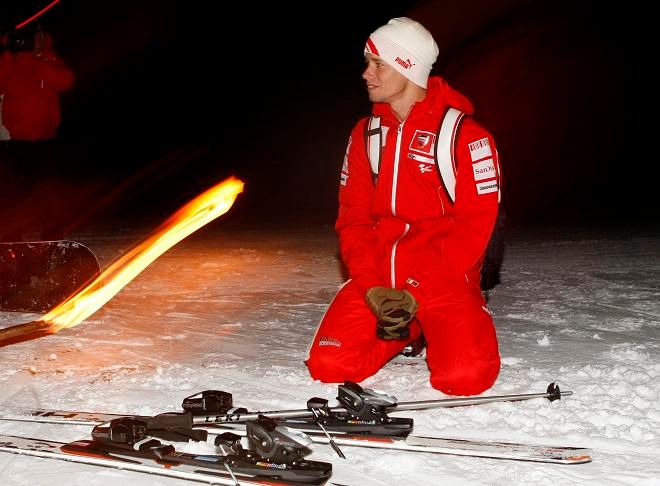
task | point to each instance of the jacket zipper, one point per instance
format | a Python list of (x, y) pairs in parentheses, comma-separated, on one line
[(395, 180), (395, 176), (393, 256)]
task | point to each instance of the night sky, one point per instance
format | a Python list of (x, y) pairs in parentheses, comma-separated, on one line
[(172, 97)]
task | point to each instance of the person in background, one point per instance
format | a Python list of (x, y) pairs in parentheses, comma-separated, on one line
[(418, 201), (32, 79)]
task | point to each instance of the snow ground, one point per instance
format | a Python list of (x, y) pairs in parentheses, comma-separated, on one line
[(234, 309)]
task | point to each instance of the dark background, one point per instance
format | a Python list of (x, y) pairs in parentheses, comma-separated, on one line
[(174, 96)]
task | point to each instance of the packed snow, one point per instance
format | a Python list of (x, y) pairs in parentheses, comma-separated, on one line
[(234, 308)]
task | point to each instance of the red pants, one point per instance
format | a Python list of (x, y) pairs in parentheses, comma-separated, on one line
[(461, 346)]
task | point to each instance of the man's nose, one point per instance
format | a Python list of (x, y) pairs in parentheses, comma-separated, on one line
[(368, 73)]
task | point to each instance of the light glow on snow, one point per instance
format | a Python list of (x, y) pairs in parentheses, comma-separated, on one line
[(200, 211)]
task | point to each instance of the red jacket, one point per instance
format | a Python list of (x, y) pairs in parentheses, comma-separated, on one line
[(405, 232), (31, 87)]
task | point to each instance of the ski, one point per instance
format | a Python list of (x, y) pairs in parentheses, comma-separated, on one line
[(362, 422), (412, 443), (487, 449), (267, 452), (207, 469)]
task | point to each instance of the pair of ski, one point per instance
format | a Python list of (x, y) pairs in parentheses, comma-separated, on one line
[(277, 441)]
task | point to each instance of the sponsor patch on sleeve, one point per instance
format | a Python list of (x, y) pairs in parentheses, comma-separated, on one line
[(480, 149), (484, 170), (486, 187)]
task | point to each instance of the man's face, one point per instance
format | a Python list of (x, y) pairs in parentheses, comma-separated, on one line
[(384, 83)]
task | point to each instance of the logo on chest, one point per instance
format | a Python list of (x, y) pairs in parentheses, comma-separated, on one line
[(423, 142)]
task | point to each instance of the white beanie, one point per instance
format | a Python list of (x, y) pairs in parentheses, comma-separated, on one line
[(407, 46)]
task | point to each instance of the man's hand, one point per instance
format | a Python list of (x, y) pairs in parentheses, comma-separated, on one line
[(394, 310)]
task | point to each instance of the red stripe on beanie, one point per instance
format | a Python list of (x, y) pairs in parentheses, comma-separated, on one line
[(372, 47)]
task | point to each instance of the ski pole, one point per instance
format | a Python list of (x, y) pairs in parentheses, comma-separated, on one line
[(553, 393)]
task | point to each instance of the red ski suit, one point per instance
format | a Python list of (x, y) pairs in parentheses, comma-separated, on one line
[(405, 232)]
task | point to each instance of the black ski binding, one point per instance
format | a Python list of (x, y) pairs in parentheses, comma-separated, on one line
[(365, 404), (208, 402), (128, 433), (274, 451), (228, 443), (366, 414), (139, 433), (276, 442)]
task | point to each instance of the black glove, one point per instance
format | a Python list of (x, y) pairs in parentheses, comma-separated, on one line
[(394, 310)]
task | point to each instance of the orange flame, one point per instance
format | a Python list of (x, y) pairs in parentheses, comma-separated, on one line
[(198, 212)]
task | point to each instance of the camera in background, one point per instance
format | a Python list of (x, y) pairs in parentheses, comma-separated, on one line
[(17, 40), (21, 40)]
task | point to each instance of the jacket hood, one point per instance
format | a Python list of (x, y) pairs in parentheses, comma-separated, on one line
[(439, 95), (440, 88)]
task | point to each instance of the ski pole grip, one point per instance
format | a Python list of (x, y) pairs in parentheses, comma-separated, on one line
[(169, 421)]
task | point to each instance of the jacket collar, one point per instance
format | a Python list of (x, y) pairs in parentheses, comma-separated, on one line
[(439, 96)]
